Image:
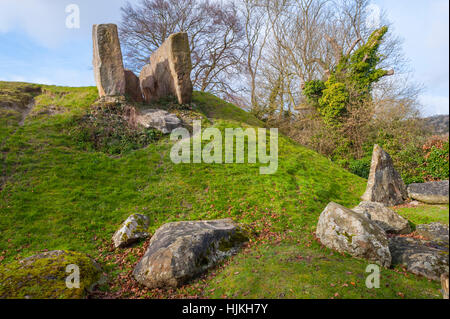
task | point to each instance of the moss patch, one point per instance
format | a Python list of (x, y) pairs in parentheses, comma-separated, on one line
[(44, 276)]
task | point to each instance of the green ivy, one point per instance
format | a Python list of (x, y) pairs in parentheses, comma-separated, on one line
[(349, 82), (332, 104), (313, 91)]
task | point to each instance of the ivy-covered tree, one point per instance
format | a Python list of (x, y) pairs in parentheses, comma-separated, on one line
[(350, 81)]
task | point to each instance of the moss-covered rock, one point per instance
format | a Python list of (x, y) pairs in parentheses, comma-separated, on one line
[(43, 276)]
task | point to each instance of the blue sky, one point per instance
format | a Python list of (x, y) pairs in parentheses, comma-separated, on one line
[(36, 46)]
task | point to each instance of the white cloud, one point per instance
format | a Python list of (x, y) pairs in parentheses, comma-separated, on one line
[(434, 105), (45, 20)]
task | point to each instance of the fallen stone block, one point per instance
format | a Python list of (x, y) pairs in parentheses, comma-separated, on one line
[(344, 230), (180, 251)]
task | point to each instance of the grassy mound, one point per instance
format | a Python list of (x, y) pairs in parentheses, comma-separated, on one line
[(58, 194)]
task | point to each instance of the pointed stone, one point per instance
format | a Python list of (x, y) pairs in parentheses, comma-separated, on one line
[(385, 184), (169, 71), (108, 64)]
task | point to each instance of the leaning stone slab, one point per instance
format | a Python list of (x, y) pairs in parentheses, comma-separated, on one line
[(384, 217), (420, 257), (181, 251), (434, 231), (108, 65), (161, 120), (344, 230), (430, 193), (385, 184), (169, 71), (43, 276), (131, 230), (133, 86)]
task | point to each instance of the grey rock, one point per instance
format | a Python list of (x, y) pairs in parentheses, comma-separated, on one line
[(385, 184), (344, 230), (158, 119), (431, 192), (181, 251), (420, 257), (131, 230), (107, 63), (434, 231), (384, 217)]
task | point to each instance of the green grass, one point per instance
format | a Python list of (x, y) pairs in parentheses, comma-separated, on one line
[(291, 271), (215, 108), (424, 214), (58, 195)]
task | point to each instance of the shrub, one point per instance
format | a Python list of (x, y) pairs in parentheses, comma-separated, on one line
[(435, 164), (360, 167), (109, 129)]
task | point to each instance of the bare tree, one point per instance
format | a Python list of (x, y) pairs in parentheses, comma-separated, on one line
[(256, 29), (215, 35)]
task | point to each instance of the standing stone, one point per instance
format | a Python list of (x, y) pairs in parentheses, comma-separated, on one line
[(169, 71), (385, 184), (344, 230), (108, 65), (133, 86)]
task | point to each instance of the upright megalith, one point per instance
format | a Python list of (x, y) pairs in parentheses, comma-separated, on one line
[(169, 71), (108, 64), (385, 184)]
